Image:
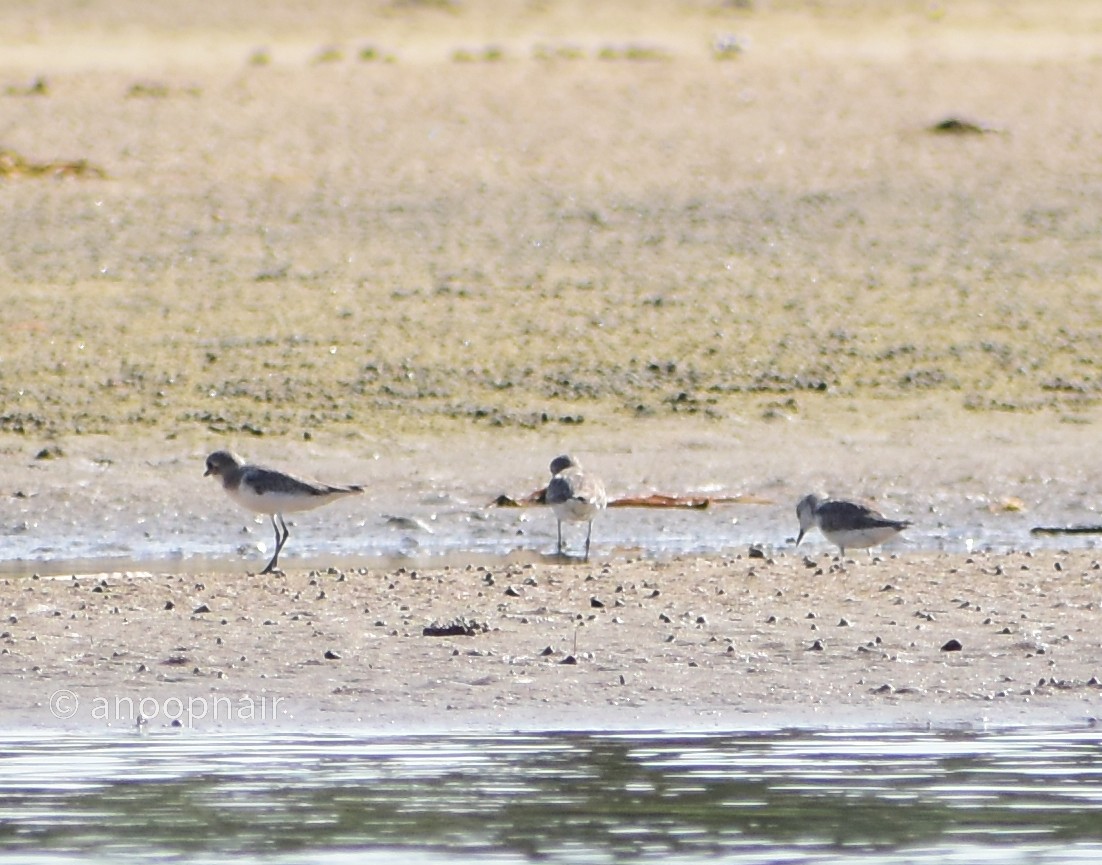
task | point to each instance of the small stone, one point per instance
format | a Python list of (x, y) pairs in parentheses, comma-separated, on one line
[(569, 659), (512, 592), (952, 646), (202, 608), (843, 623), (817, 646), (458, 627), (169, 605), (596, 603), (756, 553), (330, 655), (547, 651)]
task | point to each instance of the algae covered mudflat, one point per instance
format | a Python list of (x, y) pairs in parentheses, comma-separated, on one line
[(511, 218)]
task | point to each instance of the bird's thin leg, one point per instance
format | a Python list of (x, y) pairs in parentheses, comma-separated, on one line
[(280, 541), (560, 536), (588, 533)]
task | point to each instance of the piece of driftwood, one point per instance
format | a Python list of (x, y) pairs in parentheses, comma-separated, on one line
[(1066, 530), (653, 500)]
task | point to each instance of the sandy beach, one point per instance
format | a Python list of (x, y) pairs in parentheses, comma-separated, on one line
[(738, 643)]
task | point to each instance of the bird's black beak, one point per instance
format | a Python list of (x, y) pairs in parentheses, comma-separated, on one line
[(207, 472)]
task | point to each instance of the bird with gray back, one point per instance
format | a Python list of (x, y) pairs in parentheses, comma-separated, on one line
[(268, 491), (846, 523), (575, 496)]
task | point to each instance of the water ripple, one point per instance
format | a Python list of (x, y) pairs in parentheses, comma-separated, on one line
[(914, 797)]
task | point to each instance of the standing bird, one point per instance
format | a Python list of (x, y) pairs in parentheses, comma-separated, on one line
[(846, 524), (267, 491), (574, 495)]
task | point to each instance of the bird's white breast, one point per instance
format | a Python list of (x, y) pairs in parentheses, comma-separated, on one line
[(575, 510), (277, 502), (860, 538)]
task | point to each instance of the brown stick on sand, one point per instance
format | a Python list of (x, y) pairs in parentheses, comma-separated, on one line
[(653, 500), (1066, 530)]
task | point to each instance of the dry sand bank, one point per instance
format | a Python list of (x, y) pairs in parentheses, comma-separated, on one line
[(732, 643)]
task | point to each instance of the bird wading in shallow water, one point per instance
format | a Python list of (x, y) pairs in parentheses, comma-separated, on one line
[(575, 496), (845, 523), (267, 491)]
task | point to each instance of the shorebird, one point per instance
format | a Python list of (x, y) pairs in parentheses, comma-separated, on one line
[(267, 491), (845, 523), (575, 496)]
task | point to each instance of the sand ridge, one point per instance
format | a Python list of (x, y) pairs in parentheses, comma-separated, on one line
[(731, 643)]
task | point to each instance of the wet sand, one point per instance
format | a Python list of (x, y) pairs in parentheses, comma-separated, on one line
[(971, 481), (731, 643)]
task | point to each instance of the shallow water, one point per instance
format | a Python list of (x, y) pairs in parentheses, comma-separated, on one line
[(83, 509), (1032, 796), (441, 530)]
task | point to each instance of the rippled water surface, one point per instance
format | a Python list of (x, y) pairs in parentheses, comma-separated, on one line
[(1028, 797)]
